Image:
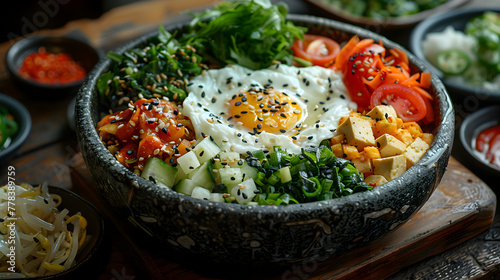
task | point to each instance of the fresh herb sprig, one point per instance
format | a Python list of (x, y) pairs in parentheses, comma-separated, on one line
[(253, 34), (316, 174), (161, 67)]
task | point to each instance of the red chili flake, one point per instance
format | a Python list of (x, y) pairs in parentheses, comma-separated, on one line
[(50, 68)]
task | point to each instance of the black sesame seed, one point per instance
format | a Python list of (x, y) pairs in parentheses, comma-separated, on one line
[(285, 85), (202, 153), (283, 115), (244, 99), (282, 130), (244, 112), (244, 195), (237, 116), (202, 94), (214, 100), (113, 121), (310, 137), (237, 103), (259, 126), (179, 125), (129, 152)]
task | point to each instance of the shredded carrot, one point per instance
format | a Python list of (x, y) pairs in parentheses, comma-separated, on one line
[(345, 53), (412, 80), (423, 92), (425, 80)]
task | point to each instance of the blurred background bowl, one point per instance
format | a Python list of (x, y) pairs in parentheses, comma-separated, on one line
[(471, 126), (83, 53), (22, 118), (386, 24), (437, 23)]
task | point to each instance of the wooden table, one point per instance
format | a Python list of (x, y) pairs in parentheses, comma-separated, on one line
[(455, 235)]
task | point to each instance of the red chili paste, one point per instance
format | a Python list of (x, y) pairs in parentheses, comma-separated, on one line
[(50, 68), (488, 144)]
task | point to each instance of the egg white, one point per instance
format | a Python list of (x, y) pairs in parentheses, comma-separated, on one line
[(319, 92)]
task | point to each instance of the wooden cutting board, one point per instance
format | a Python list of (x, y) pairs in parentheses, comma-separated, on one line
[(462, 207)]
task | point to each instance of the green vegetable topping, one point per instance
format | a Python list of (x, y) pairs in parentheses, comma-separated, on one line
[(452, 62), (8, 128), (485, 28), (160, 68), (381, 9), (253, 34), (313, 175)]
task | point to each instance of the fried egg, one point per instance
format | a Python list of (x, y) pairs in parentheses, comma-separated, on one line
[(246, 110)]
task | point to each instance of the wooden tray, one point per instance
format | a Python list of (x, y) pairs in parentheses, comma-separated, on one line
[(462, 207)]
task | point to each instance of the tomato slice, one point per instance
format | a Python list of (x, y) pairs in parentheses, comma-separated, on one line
[(317, 49), (409, 105)]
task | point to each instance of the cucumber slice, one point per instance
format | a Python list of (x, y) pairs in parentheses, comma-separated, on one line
[(203, 177), (161, 172), (244, 192), (185, 186), (188, 162), (248, 171), (285, 174), (230, 176), (201, 193), (230, 158), (206, 149)]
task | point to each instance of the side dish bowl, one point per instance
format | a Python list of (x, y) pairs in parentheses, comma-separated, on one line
[(460, 92), (385, 24), (229, 233), (22, 118), (470, 128), (95, 229), (83, 53)]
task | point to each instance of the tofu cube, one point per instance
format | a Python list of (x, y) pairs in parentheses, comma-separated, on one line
[(363, 166), (375, 180), (390, 146), (415, 151), (389, 167), (382, 112), (358, 132)]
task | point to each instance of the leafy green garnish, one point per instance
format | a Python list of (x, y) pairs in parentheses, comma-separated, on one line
[(252, 34), (316, 174), (160, 67)]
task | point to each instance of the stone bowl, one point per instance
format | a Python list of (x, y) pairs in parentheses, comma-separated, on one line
[(260, 235)]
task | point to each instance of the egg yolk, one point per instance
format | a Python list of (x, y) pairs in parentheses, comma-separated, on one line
[(265, 110)]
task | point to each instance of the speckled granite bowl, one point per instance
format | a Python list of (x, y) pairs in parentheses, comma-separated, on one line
[(230, 233)]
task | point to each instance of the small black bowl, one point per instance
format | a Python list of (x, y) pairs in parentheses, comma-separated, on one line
[(23, 120), (85, 258), (459, 92), (81, 52), (471, 126)]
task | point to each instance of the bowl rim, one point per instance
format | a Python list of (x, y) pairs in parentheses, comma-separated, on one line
[(86, 125), (35, 41), (19, 111), (469, 123), (418, 34)]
